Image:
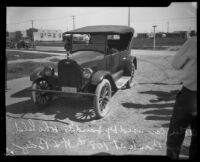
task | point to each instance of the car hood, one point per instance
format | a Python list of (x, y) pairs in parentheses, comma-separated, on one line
[(83, 58)]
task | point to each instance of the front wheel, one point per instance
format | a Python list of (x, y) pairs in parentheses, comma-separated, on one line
[(41, 99), (103, 95)]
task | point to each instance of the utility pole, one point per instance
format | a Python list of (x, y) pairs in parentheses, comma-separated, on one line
[(167, 26), (154, 38), (129, 16), (32, 33), (32, 28), (73, 17), (32, 22)]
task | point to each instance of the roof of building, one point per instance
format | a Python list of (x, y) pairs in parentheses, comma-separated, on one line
[(115, 29), (49, 30)]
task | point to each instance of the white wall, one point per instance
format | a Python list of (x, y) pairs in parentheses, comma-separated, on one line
[(48, 35)]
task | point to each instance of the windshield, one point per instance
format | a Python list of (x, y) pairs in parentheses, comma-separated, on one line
[(105, 43), (94, 42)]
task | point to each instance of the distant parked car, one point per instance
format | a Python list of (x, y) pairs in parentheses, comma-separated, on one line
[(97, 67), (25, 43), (10, 43)]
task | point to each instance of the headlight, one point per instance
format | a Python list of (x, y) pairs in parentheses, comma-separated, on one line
[(48, 71), (87, 73)]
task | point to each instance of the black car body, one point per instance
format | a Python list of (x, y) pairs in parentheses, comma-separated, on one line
[(99, 62)]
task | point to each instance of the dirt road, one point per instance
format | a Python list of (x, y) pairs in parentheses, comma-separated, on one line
[(137, 123)]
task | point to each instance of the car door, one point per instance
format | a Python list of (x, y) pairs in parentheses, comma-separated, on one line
[(112, 62), (112, 58)]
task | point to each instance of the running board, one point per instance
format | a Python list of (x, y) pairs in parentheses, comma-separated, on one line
[(121, 82), (117, 75)]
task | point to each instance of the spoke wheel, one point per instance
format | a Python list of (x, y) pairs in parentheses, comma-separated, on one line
[(103, 95), (41, 99)]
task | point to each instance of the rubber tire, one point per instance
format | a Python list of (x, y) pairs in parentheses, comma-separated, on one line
[(97, 110), (34, 99)]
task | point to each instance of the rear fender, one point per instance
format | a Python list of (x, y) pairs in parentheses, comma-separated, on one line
[(134, 60)]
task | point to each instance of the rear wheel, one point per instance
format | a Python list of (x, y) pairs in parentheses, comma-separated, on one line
[(132, 74), (103, 95), (41, 99)]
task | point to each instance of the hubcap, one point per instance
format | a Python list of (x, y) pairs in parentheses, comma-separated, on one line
[(42, 97)]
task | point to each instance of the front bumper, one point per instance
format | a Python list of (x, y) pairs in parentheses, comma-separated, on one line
[(64, 94)]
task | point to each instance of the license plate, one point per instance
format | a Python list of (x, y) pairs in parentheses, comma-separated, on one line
[(69, 89)]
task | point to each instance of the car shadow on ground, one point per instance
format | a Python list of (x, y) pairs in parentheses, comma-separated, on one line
[(147, 106), (162, 95), (159, 114), (158, 83), (78, 109), (161, 111), (62, 108), (23, 93)]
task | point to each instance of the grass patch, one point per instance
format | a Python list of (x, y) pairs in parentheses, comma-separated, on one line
[(50, 43), (15, 55), (18, 70), (52, 51)]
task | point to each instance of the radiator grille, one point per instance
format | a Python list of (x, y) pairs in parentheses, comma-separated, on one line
[(69, 74)]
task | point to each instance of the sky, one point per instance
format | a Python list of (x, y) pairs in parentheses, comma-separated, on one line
[(177, 16)]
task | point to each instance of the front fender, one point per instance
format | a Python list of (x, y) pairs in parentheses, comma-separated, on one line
[(36, 74), (100, 75)]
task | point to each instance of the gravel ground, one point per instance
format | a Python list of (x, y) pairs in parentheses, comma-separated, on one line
[(136, 125)]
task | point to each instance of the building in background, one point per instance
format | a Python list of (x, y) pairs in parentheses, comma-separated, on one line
[(47, 35), (183, 34), (24, 34), (150, 35), (175, 34), (142, 35)]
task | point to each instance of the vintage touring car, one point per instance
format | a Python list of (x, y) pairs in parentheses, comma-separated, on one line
[(98, 64)]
